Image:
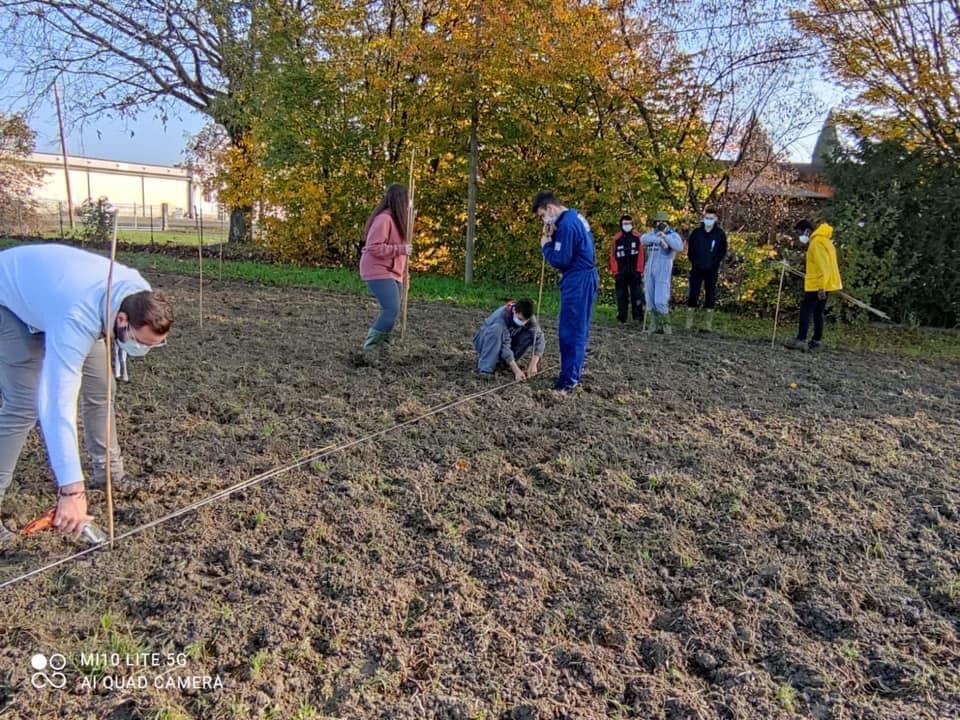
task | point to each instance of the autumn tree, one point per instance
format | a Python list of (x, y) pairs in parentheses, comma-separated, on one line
[(130, 56), (17, 177), (902, 59)]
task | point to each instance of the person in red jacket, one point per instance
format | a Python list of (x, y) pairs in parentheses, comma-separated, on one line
[(626, 266), (384, 260)]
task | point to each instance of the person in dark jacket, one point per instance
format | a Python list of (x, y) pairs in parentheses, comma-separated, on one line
[(506, 336), (706, 248), (626, 266)]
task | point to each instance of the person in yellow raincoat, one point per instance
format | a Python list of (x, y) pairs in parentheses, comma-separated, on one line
[(822, 276)]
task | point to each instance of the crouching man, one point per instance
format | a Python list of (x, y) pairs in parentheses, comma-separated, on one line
[(506, 336), (52, 354)]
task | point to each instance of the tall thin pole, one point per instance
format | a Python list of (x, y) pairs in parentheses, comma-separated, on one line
[(543, 267), (108, 342), (200, 249), (411, 215), (63, 151), (776, 316)]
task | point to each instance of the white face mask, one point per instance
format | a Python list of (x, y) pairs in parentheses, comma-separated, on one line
[(804, 239), (519, 321), (709, 222), (627, 227), (132, 347)]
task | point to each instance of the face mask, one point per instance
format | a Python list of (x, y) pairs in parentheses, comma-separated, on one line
[(519, 322), (627, 227), (804, 239), (549, 219), (708, 223), (131, 346)]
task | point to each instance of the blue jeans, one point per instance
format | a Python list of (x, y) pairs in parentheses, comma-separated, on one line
[(388, 294)]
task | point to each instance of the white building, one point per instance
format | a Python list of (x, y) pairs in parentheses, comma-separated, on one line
[(135, 187)]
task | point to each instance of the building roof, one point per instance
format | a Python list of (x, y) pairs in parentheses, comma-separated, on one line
[(53, 160)]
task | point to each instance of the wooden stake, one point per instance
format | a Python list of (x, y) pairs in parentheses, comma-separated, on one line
[(200, 250), (543, 267), (411, 215), (776, 316), (108, 342)]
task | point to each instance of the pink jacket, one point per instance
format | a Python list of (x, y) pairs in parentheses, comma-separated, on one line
[(383, 255)]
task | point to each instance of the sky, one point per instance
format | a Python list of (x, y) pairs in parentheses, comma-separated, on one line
[(142, 140), (145, 139)]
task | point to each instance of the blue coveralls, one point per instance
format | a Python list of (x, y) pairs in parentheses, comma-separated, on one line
[(570, 251), (659, 269)]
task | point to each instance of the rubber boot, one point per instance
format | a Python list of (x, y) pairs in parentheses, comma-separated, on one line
[(708, 326), (375, 338), (690, 315), (665, 327), (653, 322)]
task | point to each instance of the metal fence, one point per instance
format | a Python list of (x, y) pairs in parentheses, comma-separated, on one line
[(135, 222)]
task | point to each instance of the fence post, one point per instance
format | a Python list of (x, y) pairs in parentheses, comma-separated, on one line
[(151, 225), (164, 209), (60, 217)]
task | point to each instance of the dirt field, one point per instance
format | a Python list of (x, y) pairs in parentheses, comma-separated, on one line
[(711, 529)]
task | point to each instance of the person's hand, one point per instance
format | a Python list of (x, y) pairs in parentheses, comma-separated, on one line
[(533, 368), (408, 249), (544, 241), (519, 375), (821, 294), (71, 513)]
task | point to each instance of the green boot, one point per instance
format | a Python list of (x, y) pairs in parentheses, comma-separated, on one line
[(665, 326), (375, 338), (708, 326), (690, 316), (653, 323)]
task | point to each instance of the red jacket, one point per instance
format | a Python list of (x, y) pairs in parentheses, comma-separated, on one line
[(628, 247)]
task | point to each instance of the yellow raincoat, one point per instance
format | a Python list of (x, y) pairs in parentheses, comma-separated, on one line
[(823, 273)]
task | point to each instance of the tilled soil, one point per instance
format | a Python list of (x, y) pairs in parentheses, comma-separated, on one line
[(711, 528)]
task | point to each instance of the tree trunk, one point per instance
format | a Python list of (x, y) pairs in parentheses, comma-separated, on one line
[(239, 225)]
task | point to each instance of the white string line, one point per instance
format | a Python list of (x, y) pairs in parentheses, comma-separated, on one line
[(274, 472)]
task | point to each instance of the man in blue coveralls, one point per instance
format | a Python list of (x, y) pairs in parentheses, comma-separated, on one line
[(567, 245)]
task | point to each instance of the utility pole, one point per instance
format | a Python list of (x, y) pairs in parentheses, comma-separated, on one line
[(474, 155), (63, 150)]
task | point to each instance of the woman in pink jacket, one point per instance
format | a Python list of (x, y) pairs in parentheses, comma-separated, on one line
[(384, 260)]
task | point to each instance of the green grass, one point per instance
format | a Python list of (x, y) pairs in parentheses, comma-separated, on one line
[(919, 342), (211, 236)]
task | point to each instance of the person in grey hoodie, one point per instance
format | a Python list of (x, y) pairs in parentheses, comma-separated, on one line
[(506, 336)]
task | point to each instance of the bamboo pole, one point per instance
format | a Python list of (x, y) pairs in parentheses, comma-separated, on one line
[(200, 252), (108, 342), (411, 216), (543, 267), (776, 316)]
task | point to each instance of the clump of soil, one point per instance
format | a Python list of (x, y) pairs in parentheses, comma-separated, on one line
[(688, 537)]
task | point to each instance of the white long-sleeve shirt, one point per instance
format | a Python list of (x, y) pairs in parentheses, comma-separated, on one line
[(61, 292)]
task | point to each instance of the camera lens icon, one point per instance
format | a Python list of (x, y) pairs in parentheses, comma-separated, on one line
[(55, 679)]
